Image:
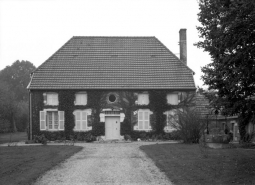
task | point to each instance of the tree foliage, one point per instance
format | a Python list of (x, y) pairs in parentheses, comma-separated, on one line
[(14, 95), (228, 33)]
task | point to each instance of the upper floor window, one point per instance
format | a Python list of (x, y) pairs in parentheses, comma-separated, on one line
[(143, 99), (50, 98), (176, 97), (172, 99), (81, 98)]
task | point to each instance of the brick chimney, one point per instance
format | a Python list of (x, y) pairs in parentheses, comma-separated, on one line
[(183, 46)]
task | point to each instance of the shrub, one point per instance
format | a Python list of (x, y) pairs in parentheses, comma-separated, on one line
[(189, 124), (40, 139)]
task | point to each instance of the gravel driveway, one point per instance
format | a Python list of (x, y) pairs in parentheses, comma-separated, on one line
[(106, 163)]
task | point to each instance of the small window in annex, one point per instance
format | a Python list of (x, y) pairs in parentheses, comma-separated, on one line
[(51, 120), (81, 98), (143, 99), (50, 98)]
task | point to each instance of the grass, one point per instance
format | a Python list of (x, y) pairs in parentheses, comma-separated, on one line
[(187, 164), (24, 164), (17, 136)]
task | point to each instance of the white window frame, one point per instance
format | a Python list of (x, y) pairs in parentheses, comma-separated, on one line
[(79, 94), (141, 122), (44, 120), (168, 127), (80, 114), (143, 98), (49, 98)]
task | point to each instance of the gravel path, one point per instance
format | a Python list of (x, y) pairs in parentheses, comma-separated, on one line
[(106, 163)]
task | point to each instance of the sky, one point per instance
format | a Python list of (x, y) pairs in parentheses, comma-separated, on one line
[(33, 30)]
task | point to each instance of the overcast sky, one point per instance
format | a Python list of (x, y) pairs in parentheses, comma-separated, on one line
[(33, 30)]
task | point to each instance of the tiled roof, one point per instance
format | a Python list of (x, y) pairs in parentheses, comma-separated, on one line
[(113, 63)]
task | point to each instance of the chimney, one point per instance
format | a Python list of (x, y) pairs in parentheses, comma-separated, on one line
[(183, 46)]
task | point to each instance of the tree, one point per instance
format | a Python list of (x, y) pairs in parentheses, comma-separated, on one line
[(8, 106), (228, 33), (14, 95), (17, 76)]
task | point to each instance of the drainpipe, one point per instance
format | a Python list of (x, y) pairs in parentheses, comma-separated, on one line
[(30, 116)]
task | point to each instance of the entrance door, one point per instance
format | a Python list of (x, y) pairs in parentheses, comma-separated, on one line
[(112, 127)]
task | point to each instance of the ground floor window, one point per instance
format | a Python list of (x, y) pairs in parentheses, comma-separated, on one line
[(51, 120), (171, 120), (143, 120), (82, 120)]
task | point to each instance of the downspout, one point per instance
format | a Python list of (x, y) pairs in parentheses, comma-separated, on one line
[(30, 116), (30, 108)]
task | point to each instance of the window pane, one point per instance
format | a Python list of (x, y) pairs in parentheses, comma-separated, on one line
[(84, 125), (146, 116), (140, 115), (78, 115), (50, 120), (84, 115), (55, 120), (140, 125), (78, 125), (146, 125)]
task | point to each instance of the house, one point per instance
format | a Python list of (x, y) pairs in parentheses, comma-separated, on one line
[(222, 122), (109, 86)]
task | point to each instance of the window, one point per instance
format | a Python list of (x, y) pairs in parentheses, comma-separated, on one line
[(50, 98), (81, 120), (51, 120), (176, 97), (81, 98), (112, 98), (172, 99), (171, 119), (143, 120), (143, 99)]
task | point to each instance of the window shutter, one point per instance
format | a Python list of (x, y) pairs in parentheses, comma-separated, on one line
[(89, 120), (42, 120), (140, 120), (78, 120), (61, 117), (45, 98), (84, 120)]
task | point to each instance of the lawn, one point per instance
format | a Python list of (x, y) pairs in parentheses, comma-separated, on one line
[(17, 136), (24, 164), (186, 164)]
